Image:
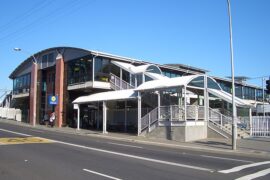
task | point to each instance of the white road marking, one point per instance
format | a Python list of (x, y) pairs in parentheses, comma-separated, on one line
[(255, 175), (124, 145), (22, 134), (239, 168), (36, 131), (104, 175), (137, 157), (229, 159)]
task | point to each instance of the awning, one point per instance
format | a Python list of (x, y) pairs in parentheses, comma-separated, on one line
[(106, 96), (166, 83), (135, 69), (228, 97), (156, 76)]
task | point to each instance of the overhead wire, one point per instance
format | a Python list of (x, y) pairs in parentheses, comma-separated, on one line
[(23, 16), (54, 13)]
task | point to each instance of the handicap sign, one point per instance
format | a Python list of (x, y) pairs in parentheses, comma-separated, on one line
[(53, 100)]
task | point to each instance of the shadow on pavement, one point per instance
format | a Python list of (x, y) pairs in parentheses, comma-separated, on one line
[(215, 144)]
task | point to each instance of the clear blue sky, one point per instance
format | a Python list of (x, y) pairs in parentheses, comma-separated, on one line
[(192, 32)]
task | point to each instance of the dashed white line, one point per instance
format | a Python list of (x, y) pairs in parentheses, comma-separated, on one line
[(118, 144), (100, 174), (239, 168), (255, 175), (22, 134), (229, 159)]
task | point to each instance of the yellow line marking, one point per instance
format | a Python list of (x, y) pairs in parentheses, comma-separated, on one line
[(25, 140)]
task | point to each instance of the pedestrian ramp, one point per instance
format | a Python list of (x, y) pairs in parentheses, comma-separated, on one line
[(24, 140)]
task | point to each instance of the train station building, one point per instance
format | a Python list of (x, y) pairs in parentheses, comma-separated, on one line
[(104, 92)]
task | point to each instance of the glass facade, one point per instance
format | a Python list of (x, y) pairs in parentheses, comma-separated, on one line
[(22, 84), (249, 93), (125, 76), (102, 69), (153, 69), (259, 94), (80, 70), (212, 84), (171, 74), (225, 86), (238, 91), (243, 92), (197, 82)]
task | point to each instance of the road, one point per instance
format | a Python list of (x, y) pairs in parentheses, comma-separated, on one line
[(29, 153)]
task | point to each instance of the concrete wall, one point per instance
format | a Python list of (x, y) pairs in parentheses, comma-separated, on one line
[(180, 133), (10, 113), (213, 134)]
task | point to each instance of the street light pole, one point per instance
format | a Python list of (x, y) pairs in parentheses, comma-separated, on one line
[(34, 58), (263, 97), (234, 125)]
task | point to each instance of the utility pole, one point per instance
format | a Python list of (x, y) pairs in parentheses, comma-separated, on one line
[(234, 124)]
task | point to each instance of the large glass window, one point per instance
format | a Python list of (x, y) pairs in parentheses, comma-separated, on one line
[(139, 79), (226, 86), (249, 93), (80, 70), (171, 74), (125, 76), (212, 84), (147, 78), (238, 91), (115, 70), (102, 69), (153, 69), (22, 84), (197, 82), (259, 94)]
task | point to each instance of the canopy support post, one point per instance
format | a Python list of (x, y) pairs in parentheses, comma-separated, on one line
[(139, 113), (104, 130)]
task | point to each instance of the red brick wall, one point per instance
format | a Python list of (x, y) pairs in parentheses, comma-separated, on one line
[(33, 95), (59, 86)]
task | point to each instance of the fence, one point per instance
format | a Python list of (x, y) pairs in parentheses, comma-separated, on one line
[(11, 113), (118, 84), (260, 126), (149, 119)]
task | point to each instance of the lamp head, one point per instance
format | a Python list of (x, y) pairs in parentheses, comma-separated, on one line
[(17, 49)]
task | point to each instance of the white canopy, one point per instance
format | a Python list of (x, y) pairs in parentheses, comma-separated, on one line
[(136, 69), (156, 76), (228, 97), (166, 83), (106, 96)]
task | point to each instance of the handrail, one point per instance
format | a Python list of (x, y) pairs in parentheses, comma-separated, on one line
[(118, 84), (149, 119)]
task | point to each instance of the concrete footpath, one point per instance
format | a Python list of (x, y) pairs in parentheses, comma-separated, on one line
[(254, 145)]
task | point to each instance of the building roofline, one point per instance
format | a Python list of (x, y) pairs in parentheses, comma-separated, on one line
[(191, 70), (187, 67), (243, 84)]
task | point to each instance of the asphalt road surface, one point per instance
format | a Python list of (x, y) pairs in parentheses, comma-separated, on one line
[(29, 153)]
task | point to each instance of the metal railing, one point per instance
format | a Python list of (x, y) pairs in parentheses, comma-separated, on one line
[(149, 119), (171, 113), (260, 126), (118, 84), (219, 120)]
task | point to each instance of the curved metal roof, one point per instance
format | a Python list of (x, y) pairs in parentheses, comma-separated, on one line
[(29, 59)]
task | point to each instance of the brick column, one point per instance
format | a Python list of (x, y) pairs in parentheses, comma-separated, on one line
[(59, 88), (33, 94)]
